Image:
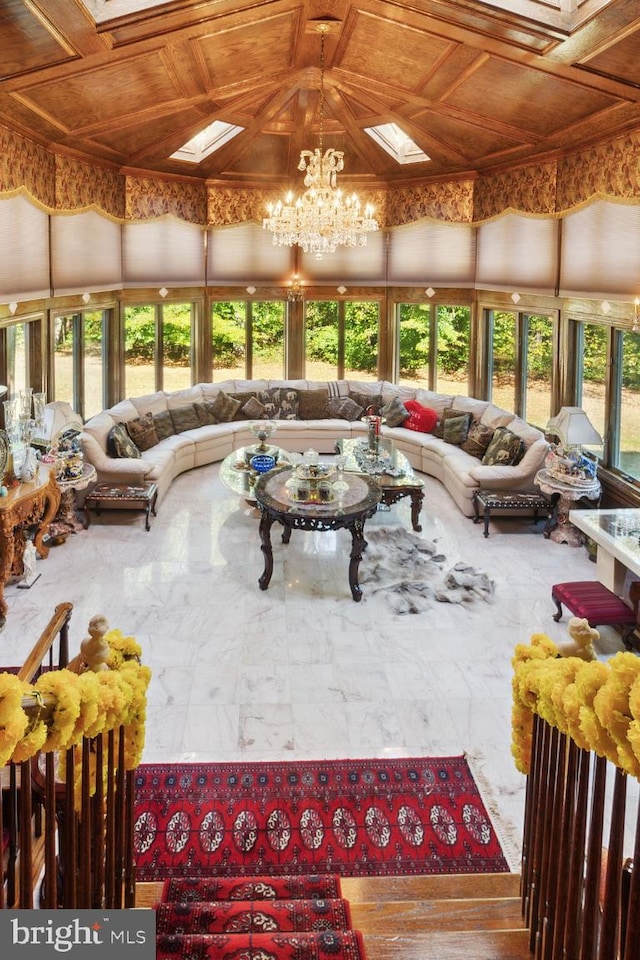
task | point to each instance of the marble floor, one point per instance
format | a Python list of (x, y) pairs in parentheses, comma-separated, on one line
[(301, 671)]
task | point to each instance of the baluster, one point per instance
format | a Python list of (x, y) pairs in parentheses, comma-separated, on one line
[(609, 927), (99, 826), (84, 829), (591, 907), (553, 851), (50, 885), (573, 920), (119, 844), (566, 824), (631, 946), (532, 805), (110, 829), (129, 867), (26, 845)]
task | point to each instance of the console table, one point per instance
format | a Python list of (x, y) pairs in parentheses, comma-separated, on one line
[(28, 508), (617, 533)]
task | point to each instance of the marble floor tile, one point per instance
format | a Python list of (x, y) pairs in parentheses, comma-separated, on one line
[(300, 671)]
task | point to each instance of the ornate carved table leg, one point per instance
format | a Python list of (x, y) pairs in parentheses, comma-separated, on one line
[(417, 496), (266, 522), (358, 544)]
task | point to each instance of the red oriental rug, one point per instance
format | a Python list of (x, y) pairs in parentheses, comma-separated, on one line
[(350, 817)]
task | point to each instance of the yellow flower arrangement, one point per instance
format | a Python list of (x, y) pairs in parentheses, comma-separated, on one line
[(70, 707), (597, 704)]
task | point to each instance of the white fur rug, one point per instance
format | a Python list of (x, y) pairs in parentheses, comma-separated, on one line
[(411, 573)]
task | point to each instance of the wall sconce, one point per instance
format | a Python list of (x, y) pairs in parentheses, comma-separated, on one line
[(86, 297), (341, 289), (429, 291), (13, 306), (295, 293), (163, 292), (516, 297), (251, 290)]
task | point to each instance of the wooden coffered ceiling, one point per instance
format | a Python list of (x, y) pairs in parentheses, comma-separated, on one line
[(477, 88)]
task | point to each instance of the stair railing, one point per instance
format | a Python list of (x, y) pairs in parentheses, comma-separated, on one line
[(580, 748), (68, 809)]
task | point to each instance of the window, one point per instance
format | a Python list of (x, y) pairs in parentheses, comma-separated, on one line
[(503, 359), (157, 347), (361, 320), (433, 347), (538, 367), (591, 388), (628, 452), (248, 340), (322, 339), (414, 344), (79, 360), (341, 339), (452, 349), (16, 358)]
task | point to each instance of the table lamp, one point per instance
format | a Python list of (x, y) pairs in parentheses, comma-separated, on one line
[(573, 427)]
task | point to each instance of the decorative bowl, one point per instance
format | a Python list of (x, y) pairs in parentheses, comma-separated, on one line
[(262, 463)]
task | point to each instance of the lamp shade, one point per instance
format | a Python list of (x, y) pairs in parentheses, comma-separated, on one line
[(574, 428), (58, 417)]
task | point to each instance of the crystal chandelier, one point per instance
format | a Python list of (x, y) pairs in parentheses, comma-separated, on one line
[(322, 218)]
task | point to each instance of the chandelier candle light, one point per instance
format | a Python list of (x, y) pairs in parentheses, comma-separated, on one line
[(322, 218)]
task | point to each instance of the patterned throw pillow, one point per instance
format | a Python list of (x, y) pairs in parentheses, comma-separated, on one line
[(225, 407), (449, 414), (455, 430), (185, 418), (253, 409), (370, 402), (344, 408), (478, 439), (142, 431), (312, 404), (120, 444), (504, 450), (421, 419), (288, 403), (163, 424), (395, 413)]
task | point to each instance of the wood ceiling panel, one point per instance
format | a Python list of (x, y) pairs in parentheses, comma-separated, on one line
[(621, 60), (395, 54), (28, 42), (525, 99), (106, 94), (261, 47)]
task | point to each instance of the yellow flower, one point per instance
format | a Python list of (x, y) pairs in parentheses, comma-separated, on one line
[(13, 719)]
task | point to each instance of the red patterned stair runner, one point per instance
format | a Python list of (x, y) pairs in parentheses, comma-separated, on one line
[(255, 918)]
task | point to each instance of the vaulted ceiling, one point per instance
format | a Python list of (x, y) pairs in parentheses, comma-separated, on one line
[(477, 88)]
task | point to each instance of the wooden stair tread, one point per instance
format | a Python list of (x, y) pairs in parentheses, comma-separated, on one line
[(438, 887), (459, 945), (426, 916)]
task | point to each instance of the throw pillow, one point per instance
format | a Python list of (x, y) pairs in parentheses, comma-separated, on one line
[(254, 409), (421, 419), (395, 413), (242, 399), (370, 402), (288, 403), (120, 444), (448, 414), (478, 439), (142, 431), (504, 450), (163, 424), (206, 414), (312, 404), (456, 430), (344, 408), (224, 407), (184, 418)]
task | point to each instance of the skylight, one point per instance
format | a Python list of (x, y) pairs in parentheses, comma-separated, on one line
[(207, 141), (397, 144)]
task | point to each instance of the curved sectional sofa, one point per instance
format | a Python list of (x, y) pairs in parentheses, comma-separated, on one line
[(175, 431)]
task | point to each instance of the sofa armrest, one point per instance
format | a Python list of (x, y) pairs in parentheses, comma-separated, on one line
[(114, 469), (491, 476)]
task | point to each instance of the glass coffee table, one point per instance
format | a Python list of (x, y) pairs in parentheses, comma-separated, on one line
[(401, 482), (237, 474), (348, 511)]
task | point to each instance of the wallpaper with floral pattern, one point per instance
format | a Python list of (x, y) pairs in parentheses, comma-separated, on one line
[(148, 198), (609, 169), (80, 185), (452, 200), (529, 189), (26, 165)]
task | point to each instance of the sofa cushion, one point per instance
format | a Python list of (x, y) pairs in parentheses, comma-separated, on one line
[(436, 401), (496, 417), (395, 413), (505, 448), (151, 403), (456, 429), (179, 398), (185, 418), (525, 431), (470, 405), (225, 407), (344, 408), (163, 424), (478, 439), (370, 402), (142, 431), (120, 444), (421, 419), (312, 404)]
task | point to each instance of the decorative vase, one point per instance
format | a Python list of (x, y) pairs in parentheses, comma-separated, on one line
[(29, 467)]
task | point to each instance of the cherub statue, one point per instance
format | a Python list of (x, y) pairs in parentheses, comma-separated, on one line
[(581, 640), (95, 649), (29, 558)]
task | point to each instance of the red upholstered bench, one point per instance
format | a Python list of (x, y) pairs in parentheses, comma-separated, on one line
[(592, 601)]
